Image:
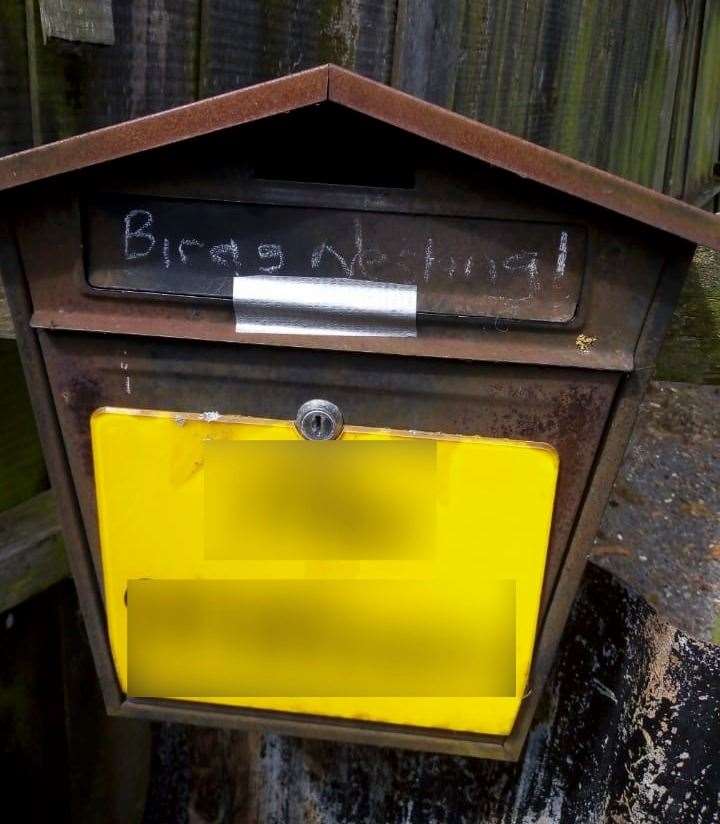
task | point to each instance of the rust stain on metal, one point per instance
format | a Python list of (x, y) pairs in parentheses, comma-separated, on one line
[(60, 301), (150, 132), (564, 408), (389, 105), (523, 158)]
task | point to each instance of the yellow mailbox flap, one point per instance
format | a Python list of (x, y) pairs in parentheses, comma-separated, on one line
[(389, 576)]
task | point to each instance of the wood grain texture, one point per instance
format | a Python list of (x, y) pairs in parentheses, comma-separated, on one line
[(22, 469), (151, 66), (701, 180), (427, 53), (63, 758), (108, 758), (7, 331), (34, 750), (691, 351), (596, 81), (677, 159), (78, 20), (15, 118), (254, 40), (32, 557)]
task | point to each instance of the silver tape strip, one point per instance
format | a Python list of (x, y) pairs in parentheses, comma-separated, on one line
[(274, 305)]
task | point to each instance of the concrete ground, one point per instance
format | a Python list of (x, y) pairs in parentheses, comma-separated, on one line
[(661, 530)]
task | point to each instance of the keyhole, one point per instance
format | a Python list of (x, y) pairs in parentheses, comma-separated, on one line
[(319, 421), (317, 425)]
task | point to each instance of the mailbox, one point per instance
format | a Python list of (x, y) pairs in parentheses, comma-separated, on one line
[(333, 385)]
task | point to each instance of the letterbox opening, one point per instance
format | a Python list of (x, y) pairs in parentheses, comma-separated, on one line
[(332, 429), (332, 145)]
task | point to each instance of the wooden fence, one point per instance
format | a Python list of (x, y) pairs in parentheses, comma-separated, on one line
[(627, 85)]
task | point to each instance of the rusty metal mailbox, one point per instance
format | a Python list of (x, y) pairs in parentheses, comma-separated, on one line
[(333, 385)]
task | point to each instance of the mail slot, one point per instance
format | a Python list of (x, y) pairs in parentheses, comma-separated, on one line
[(333, 385)]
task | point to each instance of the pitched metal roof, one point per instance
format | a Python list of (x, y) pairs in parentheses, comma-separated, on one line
[(389, 105)]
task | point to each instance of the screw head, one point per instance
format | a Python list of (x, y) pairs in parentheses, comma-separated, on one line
[(319, 420)]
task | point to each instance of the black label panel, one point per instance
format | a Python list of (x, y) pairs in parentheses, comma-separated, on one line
[(473, 267)]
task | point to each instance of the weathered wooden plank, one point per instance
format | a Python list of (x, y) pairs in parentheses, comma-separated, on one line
[(62, 757), (701, 180), (428, 48), (254, 40), (33, 749), (594, 80), (22, 469), (15, 120), (32, 557), (691, 351), (495, 77), (78, 20), (108, 758), (6, 326), (676, 165), (640, 92), (151, 66)]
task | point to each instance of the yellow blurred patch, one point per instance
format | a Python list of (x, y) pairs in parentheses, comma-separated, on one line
[(343, 500), (320, 638)]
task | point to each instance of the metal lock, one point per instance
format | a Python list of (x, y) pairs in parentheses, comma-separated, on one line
[(319, 420)]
